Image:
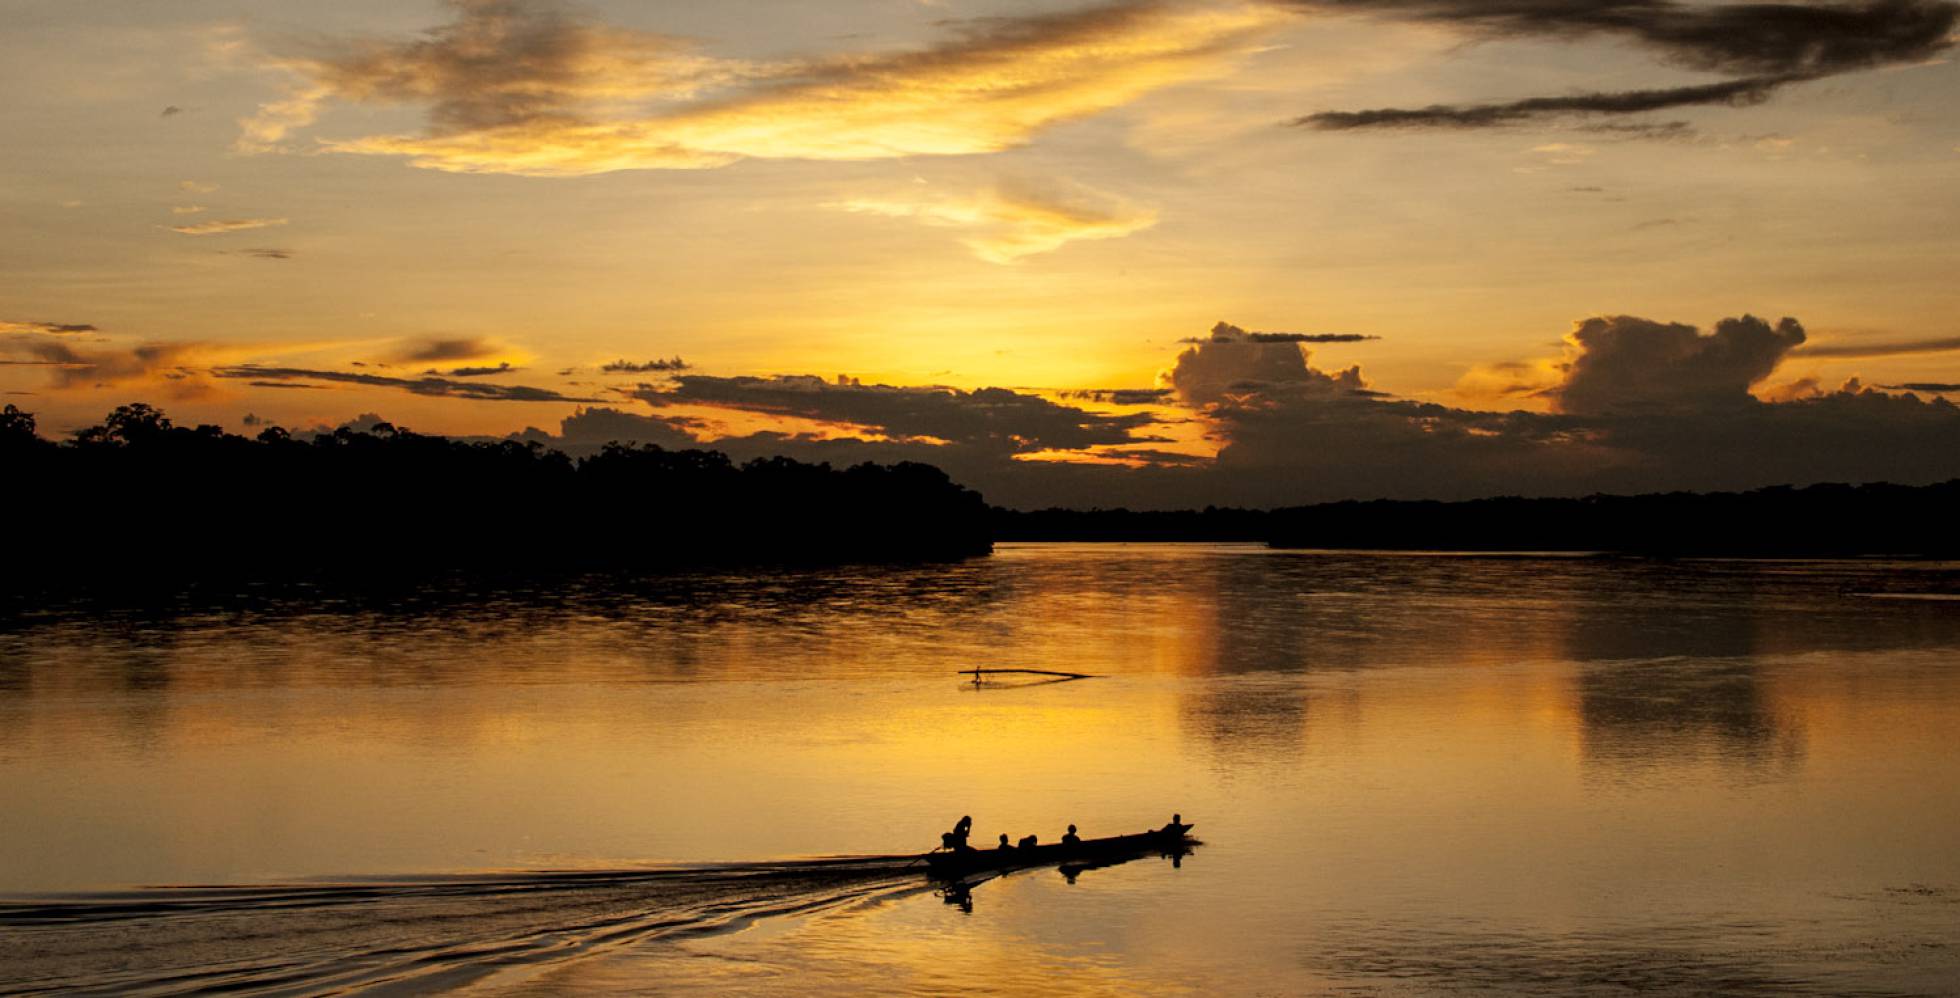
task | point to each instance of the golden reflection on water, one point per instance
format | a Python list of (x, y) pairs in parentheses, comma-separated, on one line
[(1603, 755)]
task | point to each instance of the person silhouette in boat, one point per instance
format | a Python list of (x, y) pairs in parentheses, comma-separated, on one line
[(1005, 846), (955, 840), (1176, 827), (1071, 840)]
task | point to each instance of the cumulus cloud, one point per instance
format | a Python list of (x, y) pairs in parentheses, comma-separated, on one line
[(221, 225), (427, 385), (524, 87), (1016, 220), (1762, 47), (600, 425), (1232, 366), (1639, 405), (995, 419), (1623, 362), (656, 365), (49, 328)]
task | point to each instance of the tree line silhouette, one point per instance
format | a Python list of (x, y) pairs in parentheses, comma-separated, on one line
[(1829, 520), (137, 498)]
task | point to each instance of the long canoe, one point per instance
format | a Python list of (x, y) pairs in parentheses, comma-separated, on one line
[(1173, 839)]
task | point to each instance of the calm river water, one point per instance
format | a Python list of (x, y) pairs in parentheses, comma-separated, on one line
[(1411, 774)]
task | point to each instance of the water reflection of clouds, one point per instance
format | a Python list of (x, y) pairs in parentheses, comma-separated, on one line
[(1247, 722), (1732, 957), (1639, 713), (1665, 660)]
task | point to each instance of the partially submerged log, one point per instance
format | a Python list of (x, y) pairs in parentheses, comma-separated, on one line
[(978, 673)]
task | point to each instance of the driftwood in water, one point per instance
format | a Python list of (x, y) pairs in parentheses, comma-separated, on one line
[(979, 673)]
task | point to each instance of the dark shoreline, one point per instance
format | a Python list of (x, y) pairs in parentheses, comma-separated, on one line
[(138, 507), (1817, 521)]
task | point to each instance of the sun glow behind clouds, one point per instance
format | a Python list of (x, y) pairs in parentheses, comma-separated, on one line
[(511, 90), (1015, 220)]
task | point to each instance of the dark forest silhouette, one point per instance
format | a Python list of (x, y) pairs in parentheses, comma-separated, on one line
[(1814, 521), (137, 499)]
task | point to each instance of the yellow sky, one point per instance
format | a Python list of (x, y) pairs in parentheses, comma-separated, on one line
[(1044, 197)]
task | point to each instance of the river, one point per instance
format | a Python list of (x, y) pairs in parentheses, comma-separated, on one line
[(1411, 774)]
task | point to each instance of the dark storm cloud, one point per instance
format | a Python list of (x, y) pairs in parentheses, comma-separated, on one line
[(991, 418), (1932, 387), (434, 386), (1763, 46), (623, 366), (170, 110)]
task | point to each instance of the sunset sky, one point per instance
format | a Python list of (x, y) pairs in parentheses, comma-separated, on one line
[(1142, 253)]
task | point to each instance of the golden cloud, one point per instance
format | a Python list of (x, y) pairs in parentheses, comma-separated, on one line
[(515, 88), (1017, 220), (217, 226), (173, 365)]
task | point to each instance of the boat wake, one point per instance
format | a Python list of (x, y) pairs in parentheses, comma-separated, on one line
[(405, 935)]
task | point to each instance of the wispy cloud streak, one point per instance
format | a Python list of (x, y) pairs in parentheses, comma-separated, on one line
[(525, 88), (1761, 46)]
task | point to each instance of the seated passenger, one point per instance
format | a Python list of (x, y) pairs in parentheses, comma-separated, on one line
[(1071, 839), (956, 839), (1027, 842), (1005, 846)]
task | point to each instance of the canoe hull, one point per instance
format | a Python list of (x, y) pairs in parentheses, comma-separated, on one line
[(1087, 852)]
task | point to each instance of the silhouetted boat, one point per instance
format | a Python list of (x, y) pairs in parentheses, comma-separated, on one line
[(1088, 853)]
